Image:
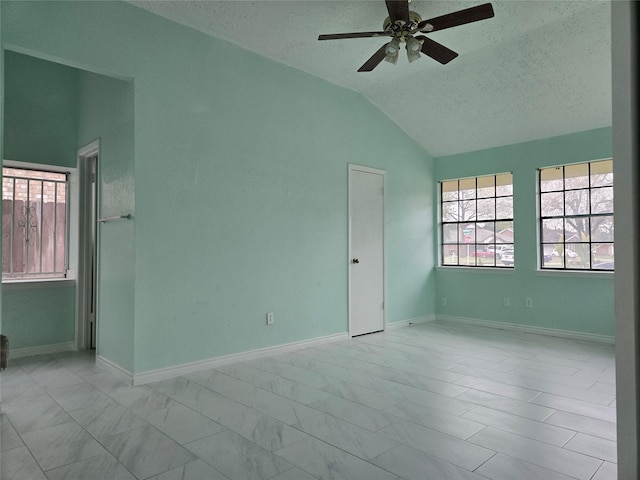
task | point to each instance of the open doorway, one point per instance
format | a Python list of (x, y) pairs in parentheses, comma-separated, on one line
[(88, 247)]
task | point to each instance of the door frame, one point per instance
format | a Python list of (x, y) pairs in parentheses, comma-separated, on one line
[(82, 340), (360, 168)]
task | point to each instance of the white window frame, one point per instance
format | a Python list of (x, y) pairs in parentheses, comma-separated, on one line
[(441, 244), (72, 222), (564, 269)]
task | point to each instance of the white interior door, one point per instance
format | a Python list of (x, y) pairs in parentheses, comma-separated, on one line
[(366, 261)]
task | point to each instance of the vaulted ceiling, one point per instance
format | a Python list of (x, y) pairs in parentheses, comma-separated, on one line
[(536, 70)]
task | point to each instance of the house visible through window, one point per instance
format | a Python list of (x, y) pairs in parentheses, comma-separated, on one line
[(576, 216), (477, 221), (34, 224)]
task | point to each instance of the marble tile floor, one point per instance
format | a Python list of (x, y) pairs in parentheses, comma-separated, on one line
[(430, 401)]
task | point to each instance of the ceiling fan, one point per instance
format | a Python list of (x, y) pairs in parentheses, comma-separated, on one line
[(402, 24)]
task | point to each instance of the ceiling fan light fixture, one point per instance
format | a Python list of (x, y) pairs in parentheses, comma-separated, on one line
[(414, 46), (392, 50)]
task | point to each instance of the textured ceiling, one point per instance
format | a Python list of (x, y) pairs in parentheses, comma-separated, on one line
[(535, 70)]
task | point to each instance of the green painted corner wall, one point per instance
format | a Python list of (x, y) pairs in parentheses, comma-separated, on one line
[(576, 302), (240, 186), (40, 104)]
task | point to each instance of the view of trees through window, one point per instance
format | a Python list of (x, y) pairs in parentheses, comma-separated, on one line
[(477, 221), (576, 215), (34, 223)]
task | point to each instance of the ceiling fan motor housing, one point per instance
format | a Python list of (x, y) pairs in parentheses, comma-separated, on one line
[(400, 29)]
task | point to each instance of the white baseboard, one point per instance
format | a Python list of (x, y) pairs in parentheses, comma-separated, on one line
[(41, 350), (411, 321), (125, 375), (186, 368), (552, 332)]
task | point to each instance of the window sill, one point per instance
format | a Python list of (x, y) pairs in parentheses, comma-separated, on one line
[(575, 273), (455, 268), (26, 284)]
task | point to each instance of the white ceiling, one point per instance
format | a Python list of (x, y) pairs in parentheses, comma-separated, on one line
[(536, 70)]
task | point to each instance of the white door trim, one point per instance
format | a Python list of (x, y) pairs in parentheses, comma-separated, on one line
[(81, 337), (359, 168)]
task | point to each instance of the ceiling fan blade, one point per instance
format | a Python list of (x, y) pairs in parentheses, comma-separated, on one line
[(374, 61), (461, 17), (338, 36), (436, 50), (398, 10)]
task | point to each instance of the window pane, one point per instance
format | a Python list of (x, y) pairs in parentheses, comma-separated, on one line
[(61, 228), (48, 226), (34, 228), (450, 212), (467, 188), (602, 229), (602, 200), (504, 207), (486, 187), (467, 256), (485, 233), (602, 256), (552, 204), (548, 259), (450, 233), (19, 226), (450, 254), (551, 179), (504, 232), (467, 234), (602, 173), (505, 257), (449, 190), (486, 209), (485, 257), (557, 256), (504, 184), (576, 202), (577, 255), (467, 209), (576, 176), (576, 229), (552, 230), (489, 228)]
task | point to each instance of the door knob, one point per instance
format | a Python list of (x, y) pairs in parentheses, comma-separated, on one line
[(355, 260)]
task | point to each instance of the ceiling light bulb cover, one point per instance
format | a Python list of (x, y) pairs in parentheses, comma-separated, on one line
[(413, 49), (391, 51)]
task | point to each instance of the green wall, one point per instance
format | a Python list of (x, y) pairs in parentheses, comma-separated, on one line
[(582, 302), (240, 185), (39, 315), (40, 111), (40, 127), (106, 113)]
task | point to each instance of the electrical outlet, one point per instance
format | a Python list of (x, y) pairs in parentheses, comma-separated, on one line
[(443, 302), (270, 318), (507, 302), (528, 302)]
